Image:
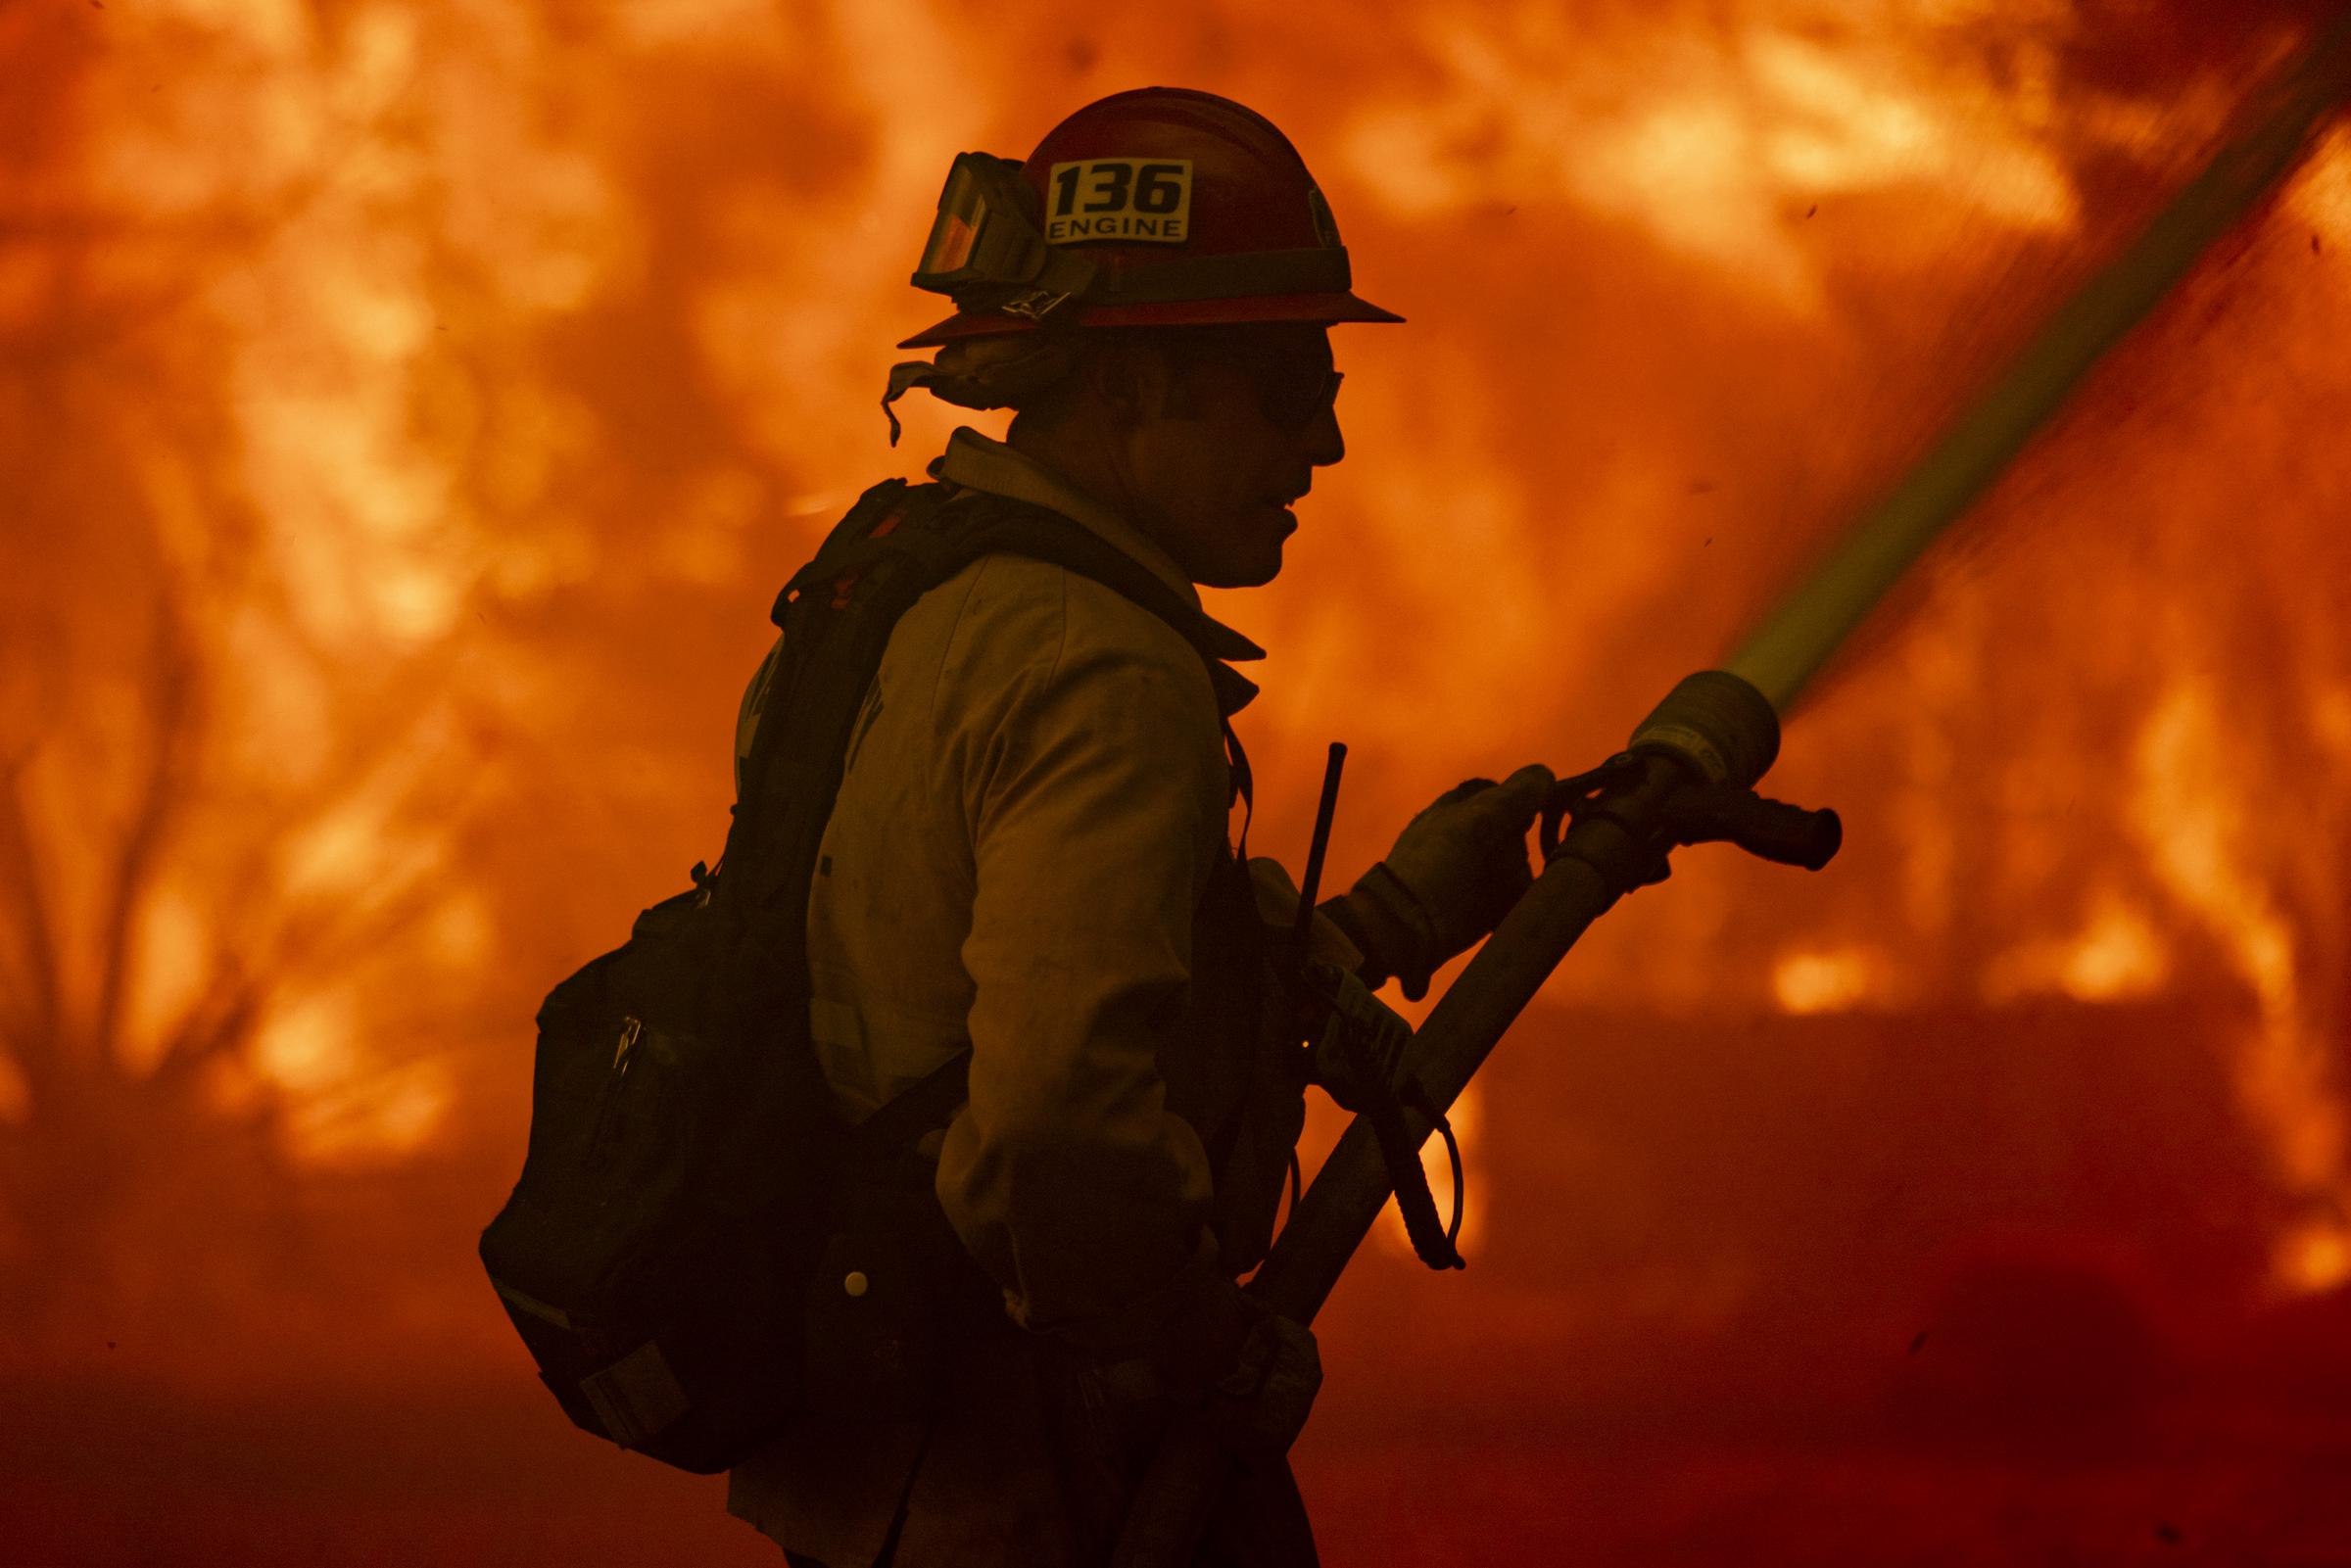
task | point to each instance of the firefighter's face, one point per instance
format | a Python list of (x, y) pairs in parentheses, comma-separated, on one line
[(1232, 426)]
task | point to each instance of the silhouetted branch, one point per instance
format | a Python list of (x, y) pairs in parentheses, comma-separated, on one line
[(217, 1024), (172, 685), (37, 1041)]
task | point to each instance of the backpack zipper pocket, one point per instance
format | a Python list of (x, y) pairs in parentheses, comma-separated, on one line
[(606, 1125)]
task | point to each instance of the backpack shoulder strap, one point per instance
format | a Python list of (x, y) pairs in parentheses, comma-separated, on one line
[(929, 1104), (990, 524)]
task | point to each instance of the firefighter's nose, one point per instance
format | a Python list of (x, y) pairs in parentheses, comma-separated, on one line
[(1322, 443)]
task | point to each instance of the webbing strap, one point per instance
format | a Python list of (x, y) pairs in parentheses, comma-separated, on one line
[(911, 1114), (1017, 528)]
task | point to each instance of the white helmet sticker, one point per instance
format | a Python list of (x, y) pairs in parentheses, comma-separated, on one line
[(1129, 198)]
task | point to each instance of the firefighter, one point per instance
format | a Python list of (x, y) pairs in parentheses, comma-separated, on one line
[(1027, 859)]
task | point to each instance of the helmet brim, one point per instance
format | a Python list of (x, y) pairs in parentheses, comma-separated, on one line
[(1326, 309)]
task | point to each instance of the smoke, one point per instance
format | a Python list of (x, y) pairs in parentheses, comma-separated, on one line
[(409, 411)]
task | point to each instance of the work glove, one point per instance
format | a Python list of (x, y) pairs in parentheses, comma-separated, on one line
[(1457, 869)]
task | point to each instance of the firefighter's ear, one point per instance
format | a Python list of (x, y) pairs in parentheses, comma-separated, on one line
[(1132, 382)]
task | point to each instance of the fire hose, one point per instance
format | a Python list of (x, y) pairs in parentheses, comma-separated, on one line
[(1689, 772)]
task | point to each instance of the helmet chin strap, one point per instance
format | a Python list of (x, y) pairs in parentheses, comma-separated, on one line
[(993, 372)]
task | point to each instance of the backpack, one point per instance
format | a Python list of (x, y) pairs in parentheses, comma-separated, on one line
[(688, 1254)]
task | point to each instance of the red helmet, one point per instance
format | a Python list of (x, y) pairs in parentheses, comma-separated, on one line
[(1160, 207)]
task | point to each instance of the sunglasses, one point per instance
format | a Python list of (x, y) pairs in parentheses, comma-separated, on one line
[(1292, 401), (1289, 370)]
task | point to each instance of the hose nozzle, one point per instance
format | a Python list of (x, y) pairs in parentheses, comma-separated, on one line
[(1716, 723)]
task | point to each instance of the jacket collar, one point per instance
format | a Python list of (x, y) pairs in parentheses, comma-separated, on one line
[(976, 461)]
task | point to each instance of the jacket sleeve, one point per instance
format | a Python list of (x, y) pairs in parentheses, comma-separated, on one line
[(1095, 805)]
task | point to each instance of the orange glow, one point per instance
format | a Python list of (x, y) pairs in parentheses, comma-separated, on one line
[(1825, 983), (2194, 820), (1738, 132), (410, 409), (2314, 1257), (2116, 956), (406, 454)]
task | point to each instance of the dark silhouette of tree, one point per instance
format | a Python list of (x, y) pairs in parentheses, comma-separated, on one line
[(285, 857)]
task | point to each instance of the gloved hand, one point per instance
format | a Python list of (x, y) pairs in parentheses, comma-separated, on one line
[(1457, 869), (1222, 1351)]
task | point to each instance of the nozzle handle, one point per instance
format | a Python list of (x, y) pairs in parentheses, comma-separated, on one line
[(1788, 834), (1770, 829)]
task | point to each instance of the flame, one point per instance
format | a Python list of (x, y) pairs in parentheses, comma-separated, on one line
[(347, 1110), (2119, 954), (2316, 1257), (453, 371), (2193, 818), (1743, 131), (2322, 196), (1826, 981)]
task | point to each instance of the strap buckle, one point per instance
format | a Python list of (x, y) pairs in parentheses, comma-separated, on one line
[(1359, 1059), (1033, 304)]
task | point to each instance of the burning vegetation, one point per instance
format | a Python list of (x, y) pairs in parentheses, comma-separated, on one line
[(408, 411)]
